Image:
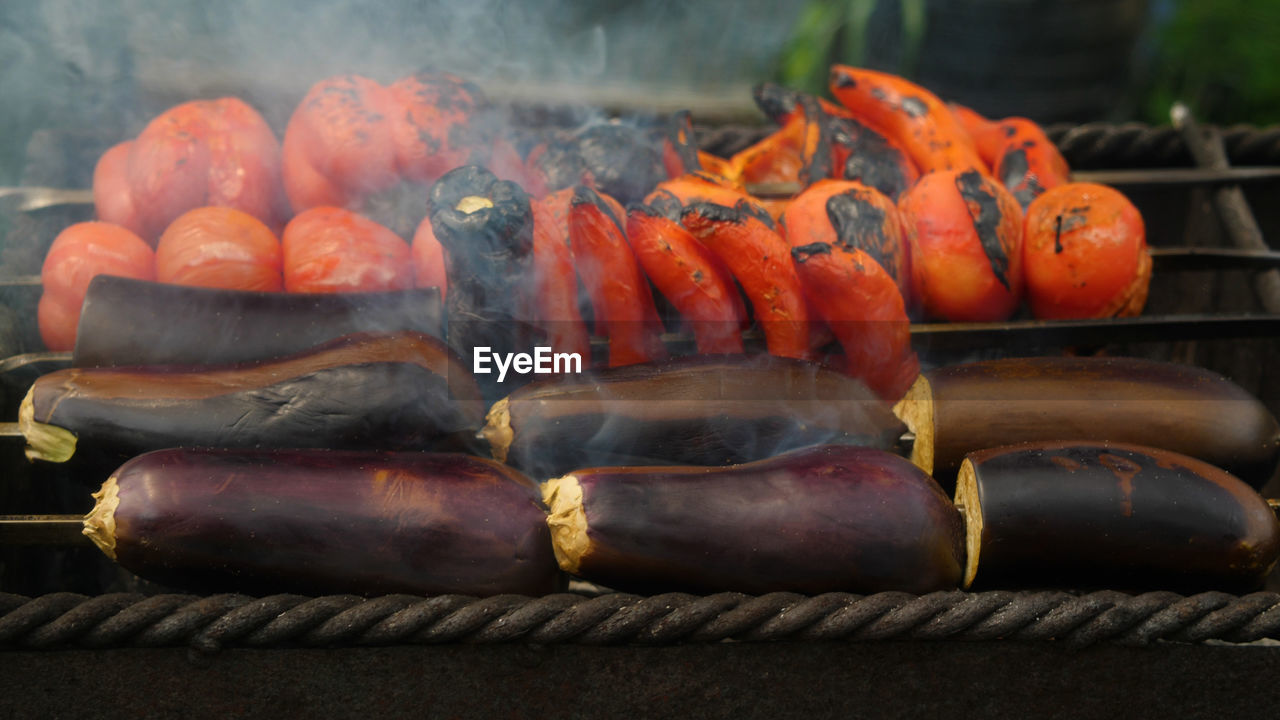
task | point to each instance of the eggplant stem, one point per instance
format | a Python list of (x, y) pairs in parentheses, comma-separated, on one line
[(44, 442)]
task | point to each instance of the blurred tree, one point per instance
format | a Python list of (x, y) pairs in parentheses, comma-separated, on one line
[(1220, 57)]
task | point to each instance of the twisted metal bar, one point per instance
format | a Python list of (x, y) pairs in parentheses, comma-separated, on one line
[(63, 620), (1088, 146)]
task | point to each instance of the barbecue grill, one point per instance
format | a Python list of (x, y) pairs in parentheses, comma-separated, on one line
[(76, 632)]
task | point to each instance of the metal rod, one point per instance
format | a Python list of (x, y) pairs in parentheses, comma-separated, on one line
[(1154, 177), (15, 362), (57, 530), (1202, 258), (38, 198), (1205, 145)]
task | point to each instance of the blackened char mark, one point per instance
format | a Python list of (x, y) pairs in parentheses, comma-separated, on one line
[(1016, 175), (737, 214), (585, 195), (820, 163), (614, 158), (872, 160), (775, 101), (804, 252), (859, 225), (666, 204), (679, 132), (984, 210)]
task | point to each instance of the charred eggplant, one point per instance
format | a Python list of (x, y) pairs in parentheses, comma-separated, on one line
[(377, 391), (320, 522), (964, 408), (135, 322), (691, 411), (1087, 515), (486, 227), (829, 518)]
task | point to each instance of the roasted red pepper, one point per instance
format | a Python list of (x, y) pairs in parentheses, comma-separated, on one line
[(429, 269), (329, 249), (220, 247), (854, 217), (1086, 254), (78, 254), (857, 150), (690, 277), (745, 239), (911, 115), (965, 232), (618, 287), (204, 152), (843, 236), (555, 282)]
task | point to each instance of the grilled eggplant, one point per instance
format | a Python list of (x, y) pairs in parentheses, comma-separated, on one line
[(376, 391), (821, 519), (964, 408), (134, 322), (320, 522), (1086, 515), (691, 411)]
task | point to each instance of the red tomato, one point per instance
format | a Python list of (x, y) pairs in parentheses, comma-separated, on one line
[(79, 253), (204, 152), (340, 145), (428, 259), (1086, 254), (329, 249), (112, 197), (433, 110), (220, 247)]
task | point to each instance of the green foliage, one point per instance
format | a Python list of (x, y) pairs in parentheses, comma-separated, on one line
[(1222, 58)]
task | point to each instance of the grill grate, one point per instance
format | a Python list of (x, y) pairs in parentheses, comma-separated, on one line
[(1215, 302)]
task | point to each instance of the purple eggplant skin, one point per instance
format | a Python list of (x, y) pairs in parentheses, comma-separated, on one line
[(323, 522), (382, 391), (820, 519), (961, 409), (709, 410), (1095, 515), (136, 322)]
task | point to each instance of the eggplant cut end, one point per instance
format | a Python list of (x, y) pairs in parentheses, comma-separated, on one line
[(567, 521), (49, 443), (915, 410), (100, 522), (969, 503), (497, 429)]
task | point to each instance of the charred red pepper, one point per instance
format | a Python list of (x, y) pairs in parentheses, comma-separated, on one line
[(746, 240), (857, 150), (1086, 254), (965, 232), (78, 254), (910, 114), (617, 160), (428, 259), (854, 217), (843, 236), (690, 276), (618, 287), (555, 282), (220, 247), (204, 152)]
